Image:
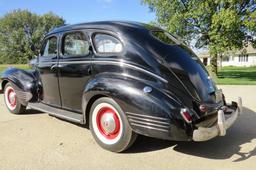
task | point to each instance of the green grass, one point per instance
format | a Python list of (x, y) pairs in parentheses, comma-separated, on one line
[(237, 76), (21, 66)]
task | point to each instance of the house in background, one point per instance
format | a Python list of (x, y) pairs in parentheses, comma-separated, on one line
[(245, 57)]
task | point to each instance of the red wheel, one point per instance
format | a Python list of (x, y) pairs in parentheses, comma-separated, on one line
[(109, 125), (106, 123), (11, 100)]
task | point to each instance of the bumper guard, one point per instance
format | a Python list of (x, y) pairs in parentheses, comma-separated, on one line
[(204, 134)]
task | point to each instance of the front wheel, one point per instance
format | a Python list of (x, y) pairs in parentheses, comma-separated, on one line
[(109, 126), (11, 100)]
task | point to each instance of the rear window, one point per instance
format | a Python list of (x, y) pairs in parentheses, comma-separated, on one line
[(105, 43), (169, 39), (165, 37)]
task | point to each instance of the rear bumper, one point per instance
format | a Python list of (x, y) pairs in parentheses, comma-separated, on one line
[(204, 134)]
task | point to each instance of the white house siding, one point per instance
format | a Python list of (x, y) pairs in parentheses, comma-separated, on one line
[(234, 61)]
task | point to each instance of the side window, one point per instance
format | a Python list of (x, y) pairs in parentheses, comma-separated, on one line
[(105, 43), (50, 47), (75, 44)]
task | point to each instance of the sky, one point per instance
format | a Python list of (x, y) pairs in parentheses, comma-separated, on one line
[(77, 11)]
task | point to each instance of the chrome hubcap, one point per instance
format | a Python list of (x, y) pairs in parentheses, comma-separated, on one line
[(12, 97), (108, 123)]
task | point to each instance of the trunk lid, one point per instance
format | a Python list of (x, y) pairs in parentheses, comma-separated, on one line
[(187, 66)]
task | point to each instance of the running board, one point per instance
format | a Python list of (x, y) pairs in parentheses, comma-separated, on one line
[(60, 113)]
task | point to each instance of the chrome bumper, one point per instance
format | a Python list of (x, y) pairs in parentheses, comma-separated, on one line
[(204, 134)]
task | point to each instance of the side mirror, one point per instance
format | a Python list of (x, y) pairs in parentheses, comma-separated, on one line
[(32, 48)]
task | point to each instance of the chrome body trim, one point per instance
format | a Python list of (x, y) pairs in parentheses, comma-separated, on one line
[(112, 63), (27, 96), (149, 127), (149, 122), (147, 116)]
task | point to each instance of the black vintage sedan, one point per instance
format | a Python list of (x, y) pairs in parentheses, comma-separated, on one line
[(123, 79)]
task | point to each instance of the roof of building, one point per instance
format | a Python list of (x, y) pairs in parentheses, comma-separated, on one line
[(249, 50)]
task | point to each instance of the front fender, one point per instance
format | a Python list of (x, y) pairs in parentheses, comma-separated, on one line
[(24, 83), (154, 114)]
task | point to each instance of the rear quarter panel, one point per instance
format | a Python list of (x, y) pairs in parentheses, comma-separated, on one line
[(129, 94)]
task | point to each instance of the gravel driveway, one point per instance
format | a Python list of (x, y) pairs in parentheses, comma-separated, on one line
[(38, 141)]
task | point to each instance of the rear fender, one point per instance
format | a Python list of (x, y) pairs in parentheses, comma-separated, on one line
[(130, 96), (24, 83)]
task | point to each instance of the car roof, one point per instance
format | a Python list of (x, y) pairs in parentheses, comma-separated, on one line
[(107, 25)]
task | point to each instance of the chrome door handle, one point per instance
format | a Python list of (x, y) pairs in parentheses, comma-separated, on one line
[(54, 66)]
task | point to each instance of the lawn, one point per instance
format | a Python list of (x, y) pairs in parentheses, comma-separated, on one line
[(226, 75), (237, 76), (21, 66)]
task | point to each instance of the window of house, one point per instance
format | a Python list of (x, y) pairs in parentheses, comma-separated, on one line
[(105, 43), (75, 44), (50, 47), (205, 61), (243, 58), (225, 58), (246, 57)]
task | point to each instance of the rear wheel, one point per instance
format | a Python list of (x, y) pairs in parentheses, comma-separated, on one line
[(11, 100), (109, 126)]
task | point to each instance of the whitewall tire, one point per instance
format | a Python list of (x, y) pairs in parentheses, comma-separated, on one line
[(109, 125), (11, 100)]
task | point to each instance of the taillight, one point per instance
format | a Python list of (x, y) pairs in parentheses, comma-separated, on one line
[(203, 108), (186, 115)]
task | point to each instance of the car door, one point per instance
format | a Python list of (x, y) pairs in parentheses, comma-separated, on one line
[(48, 61), (74, 68)]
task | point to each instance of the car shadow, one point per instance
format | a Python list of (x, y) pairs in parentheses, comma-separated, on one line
[(148, 144), (242, 132)]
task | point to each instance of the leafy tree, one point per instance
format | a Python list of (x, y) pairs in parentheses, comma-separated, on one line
[(21, 28), (219, 25)]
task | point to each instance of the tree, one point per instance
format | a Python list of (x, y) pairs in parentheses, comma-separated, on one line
[(21, 28), (219, 25)]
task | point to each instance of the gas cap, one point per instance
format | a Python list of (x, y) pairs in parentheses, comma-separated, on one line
[(147, 89)]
